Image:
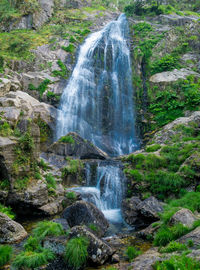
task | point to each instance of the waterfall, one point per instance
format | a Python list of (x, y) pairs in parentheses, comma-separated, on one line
[(98, 102), (106, 191)]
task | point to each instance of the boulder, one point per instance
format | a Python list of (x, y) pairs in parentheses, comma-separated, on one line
[(98, 251), (148, 233), (56, 244), (10, 231), (139, 213), (84, 213), (63, 222), (168, 77), (5, 86), (80, 148), (194, 236), (183, 216), (168, 131)]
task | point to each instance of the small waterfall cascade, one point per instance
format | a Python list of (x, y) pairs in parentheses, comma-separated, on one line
[(98, 101), (105, 189)]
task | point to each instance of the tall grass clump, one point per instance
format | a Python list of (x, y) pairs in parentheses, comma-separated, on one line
[(47, 228), (76, 252), (5, 255)]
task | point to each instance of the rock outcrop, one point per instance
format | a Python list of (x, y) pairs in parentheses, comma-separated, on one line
[(193, 236), (183, 216), (10, 231), (84, 213), (79, 148)]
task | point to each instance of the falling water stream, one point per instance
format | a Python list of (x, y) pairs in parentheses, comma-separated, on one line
[(98, 104)]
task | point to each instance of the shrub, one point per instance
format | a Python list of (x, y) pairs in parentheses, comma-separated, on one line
[(70, 48), (43, 165), (5, 129), (132, 252), (190, 200), (41, 88), (153, 148), (178, 262), (173, 246), (47, 228), (5, 254), (190, 243), (67, 139), (136, 175), (166, 63), (93, 227), (73, 167), (76, 252), (63, 70), (7, 211), (71, 195), (32, 260), (51, 182), (21, 184)]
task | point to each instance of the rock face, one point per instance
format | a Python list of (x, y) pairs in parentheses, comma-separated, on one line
[(10, 231), (80, 148), (5, 85), (184, 216), (171, 76), (170, 129), (141, 213), (176, 20), (193, 235), (98, 251), (84, 213)]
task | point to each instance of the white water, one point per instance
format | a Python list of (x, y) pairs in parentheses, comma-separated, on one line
[(98, 104)]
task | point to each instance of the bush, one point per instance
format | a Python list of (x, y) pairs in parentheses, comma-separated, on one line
[(63, 70), (70, 48), (93, 227), (191, 201), (178, 263), (5, 254), (173, 246), (43, 165), (7, 211), (51, 182), (41, 88), (76, 252), (67, 139), (47, 228), (131, 253), (71, 195), (153, 148), (32, 260), (73, 167), (32, 244), (166, 63)]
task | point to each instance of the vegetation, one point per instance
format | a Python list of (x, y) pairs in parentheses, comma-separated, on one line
[(5, 254), (63, 72), (131, 253), (51, 182), (67, 139), (76, 252), (41, 88), (74, 166), (173, 246), (71, 195), (7, 211), (32, 259), (47, 228)]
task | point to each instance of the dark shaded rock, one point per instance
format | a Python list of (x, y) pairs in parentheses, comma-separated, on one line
[(80, 148), (63, 222), (57, 264), (148, 233), (194, 236), (98, 251), (84, 213), (56, 244), (10, 231), (184, 216), (141, 213)]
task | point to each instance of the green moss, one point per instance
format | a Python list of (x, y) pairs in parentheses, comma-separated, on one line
[(67, 139)]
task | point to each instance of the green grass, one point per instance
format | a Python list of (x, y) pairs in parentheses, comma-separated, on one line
[(41, 88), (32, 244), (172, 247), (74, 166), (71, 195), (47, 228), (76, 252), (132, 253), (153, 148), (51, 182), (32, 259), (21, 183), (5, 129), (7, 211), (5, 255)]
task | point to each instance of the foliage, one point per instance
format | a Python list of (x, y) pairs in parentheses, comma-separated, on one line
[(51, 182), (93, 227), (67, 139), (166, 63), (5, 254), (5, 129), (76, 252), (178, 262), (71, 195), (41, 88), (132, 252), (70, 48), (32, 244), (7, 211), (33, 259), (74, 166), (153, 148), (47, 228), (62, 72), (173, 246), (21, 183), (43, 164)]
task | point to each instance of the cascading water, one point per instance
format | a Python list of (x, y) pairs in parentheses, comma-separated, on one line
[(98, 101), (98, 104)]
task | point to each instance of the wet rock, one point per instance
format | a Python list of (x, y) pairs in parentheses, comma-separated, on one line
[(10, 231), (63, 222), (98, 250), (141, 213), (84, 213), (80, 148), (194, 236), (183, 216)]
